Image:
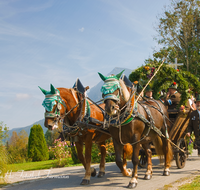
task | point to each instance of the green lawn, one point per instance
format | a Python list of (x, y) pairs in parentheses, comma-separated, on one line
[(37, 165), (195, 185)]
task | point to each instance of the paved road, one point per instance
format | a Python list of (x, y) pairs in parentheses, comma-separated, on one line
[(70, 178)]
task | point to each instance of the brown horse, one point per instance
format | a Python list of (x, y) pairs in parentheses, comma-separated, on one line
[(133, 122), (69, 106)]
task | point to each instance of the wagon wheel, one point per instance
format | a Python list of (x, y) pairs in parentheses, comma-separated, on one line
[(143, 159), (180, 156)]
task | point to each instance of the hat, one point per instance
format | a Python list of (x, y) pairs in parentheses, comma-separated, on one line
[(173, 85), (198, 98), (163, 95), (148, 89)]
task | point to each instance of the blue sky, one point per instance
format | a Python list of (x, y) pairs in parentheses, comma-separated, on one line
[(58, 41)]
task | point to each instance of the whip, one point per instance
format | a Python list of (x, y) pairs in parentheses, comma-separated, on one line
[(150, 79)]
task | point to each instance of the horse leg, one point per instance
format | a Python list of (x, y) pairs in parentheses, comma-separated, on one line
[(88, 150), (127, 153), (118, 153), (135, 160), (168, 156), (79, 148), (148, 152), (102, 162)]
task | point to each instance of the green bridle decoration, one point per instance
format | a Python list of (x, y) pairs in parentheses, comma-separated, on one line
[(52, 98), (111, 84)]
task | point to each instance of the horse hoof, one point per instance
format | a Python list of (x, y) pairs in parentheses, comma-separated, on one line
[(101, 174), (166, 173), (132, 185), (93, 174), (147, 176), (85, 182)]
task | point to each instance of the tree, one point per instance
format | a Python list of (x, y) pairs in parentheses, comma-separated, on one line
[(4, 158), (37, 148), (179, 28), (17, 146)]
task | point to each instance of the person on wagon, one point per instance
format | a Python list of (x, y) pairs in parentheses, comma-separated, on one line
[(148, 92), (194, 125), (173, 97)]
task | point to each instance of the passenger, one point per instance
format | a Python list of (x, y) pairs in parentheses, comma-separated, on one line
[(194, 125), (191, 101), (162, 96), (148, 92), (172, 97)]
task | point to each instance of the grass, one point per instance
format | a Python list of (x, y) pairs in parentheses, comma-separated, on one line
[(28, 166), (195, 185)]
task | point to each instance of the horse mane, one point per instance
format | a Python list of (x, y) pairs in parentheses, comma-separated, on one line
[(125, 91)]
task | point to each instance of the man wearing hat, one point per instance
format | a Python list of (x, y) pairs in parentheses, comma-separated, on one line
[(148, 92), (173, 97), (194, 125)]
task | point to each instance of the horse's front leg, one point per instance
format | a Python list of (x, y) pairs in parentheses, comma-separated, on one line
[(102, 147), (148, 152), (79, 148), (118, 153), (135, 160), (88, 171)]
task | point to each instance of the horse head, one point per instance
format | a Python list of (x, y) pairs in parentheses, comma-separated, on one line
[(55, 108), (114, 93)]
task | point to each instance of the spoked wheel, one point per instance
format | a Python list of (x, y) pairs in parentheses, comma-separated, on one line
[(180, 156), (143, 159)]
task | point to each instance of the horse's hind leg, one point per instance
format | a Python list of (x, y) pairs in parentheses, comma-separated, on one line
[(148, 152), (167, 149), (102, 162), (127, 153), (79, 148)]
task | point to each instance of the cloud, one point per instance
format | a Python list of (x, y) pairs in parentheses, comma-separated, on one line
[(22, 96), (81, 29)]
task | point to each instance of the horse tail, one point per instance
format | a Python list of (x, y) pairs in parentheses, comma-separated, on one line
[(159, 146)]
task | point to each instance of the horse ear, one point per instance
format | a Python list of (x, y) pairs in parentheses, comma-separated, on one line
[(119, 75), (44, 91), (102, 77), (53, 90)]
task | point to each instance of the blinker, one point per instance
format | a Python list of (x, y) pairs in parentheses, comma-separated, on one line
[(79, 87)]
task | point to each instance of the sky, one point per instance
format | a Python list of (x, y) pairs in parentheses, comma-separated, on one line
[(45, 42)]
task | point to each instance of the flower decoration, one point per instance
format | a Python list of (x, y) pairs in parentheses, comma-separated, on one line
[(174, 83), (177, 70), (135, 82)]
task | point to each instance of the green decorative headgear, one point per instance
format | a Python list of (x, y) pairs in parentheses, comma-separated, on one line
[(198, 98), (148, 89), (173, 85), (111, 83), (50, 98)]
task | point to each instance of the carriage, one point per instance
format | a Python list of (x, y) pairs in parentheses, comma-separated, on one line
[(177, 134)]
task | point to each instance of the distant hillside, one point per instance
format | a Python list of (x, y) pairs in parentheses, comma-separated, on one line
[(95, 92), (27, 129)]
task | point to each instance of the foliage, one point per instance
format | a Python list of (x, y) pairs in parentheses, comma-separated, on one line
[(4, 157), (164, 77), (73, 153), (61, 152), (18, 147), (96, 155), (190, 142), (50, 136), (179, 28), (37, 148)]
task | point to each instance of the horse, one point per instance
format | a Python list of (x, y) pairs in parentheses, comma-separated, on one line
[(134, 122), (69, 105)]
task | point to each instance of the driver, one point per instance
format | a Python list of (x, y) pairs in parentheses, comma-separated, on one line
[(148, 92), (173, 97)]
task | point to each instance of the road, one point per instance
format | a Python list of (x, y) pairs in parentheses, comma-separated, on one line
[(70, 177)]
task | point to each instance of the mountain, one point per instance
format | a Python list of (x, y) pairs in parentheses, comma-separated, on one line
[(95, 92), (27, 128)]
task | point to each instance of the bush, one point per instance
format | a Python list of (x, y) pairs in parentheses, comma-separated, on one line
[(61, 152), (37, 148)]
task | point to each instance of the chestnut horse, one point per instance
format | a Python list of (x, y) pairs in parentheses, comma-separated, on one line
[(134, 123), (68, 108)]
